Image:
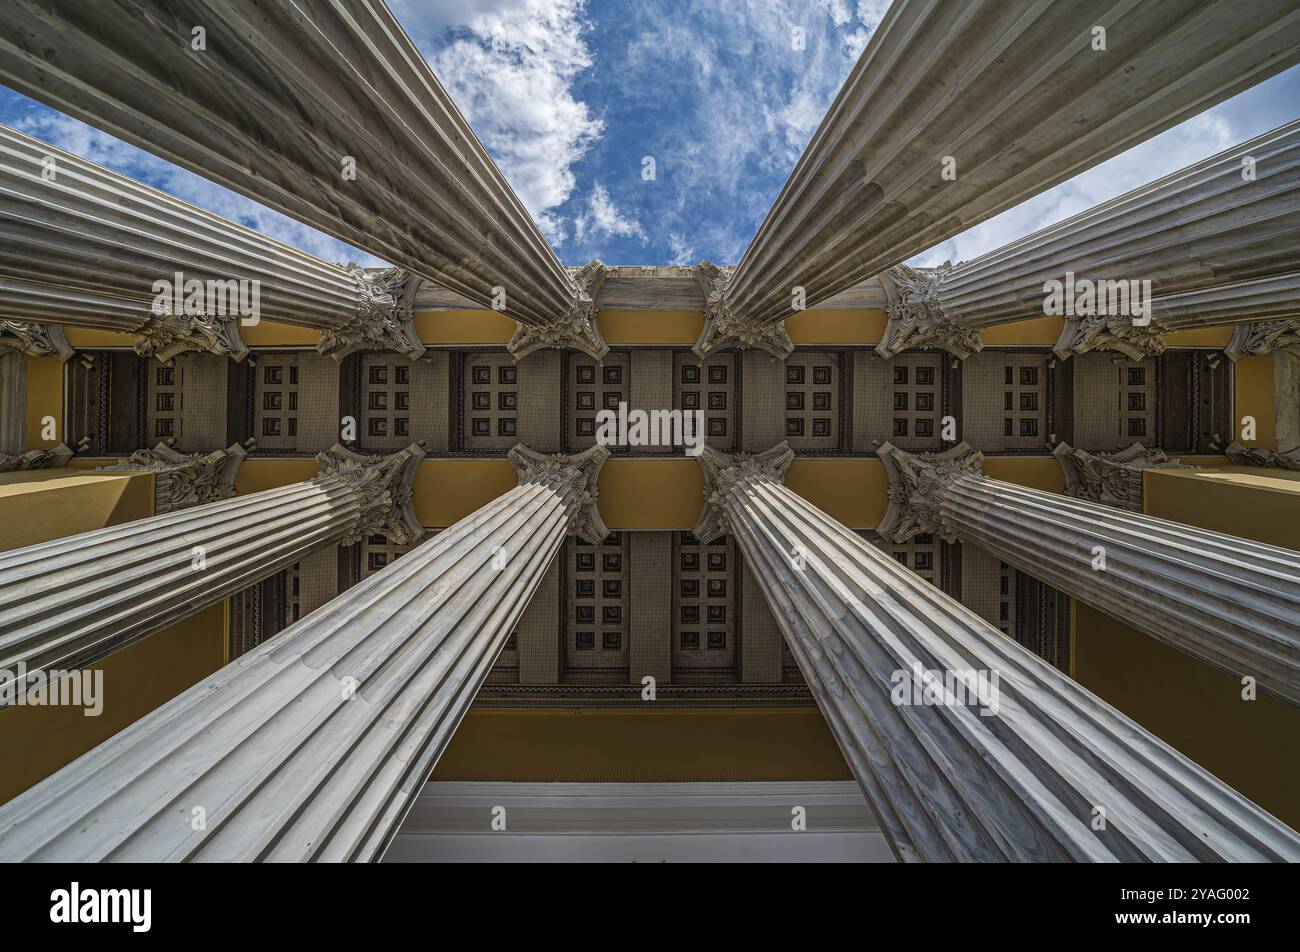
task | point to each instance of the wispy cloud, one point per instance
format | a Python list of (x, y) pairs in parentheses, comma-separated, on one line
[(600, 219), (510, 66)]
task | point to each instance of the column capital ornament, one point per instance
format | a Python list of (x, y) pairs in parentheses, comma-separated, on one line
[(1263, 337), (165, 335), (34, 340), (724, 328), (182, 480), (724, 471), (1112, 479), (384, 485), (1258, 456), (576, 329), (917, 317), (1110, 332), (917, 482), (52, 458), (575, 473), (383, 316)]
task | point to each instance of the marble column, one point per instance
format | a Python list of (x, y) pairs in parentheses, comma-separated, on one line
[(314, 745), (1231, 219), (326, 112), (1112, 479), (65, 604), (967, 745), (1230, 602), (76, 239), (954, 113), (182, 480)]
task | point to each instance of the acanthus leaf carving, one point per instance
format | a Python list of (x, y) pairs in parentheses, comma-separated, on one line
[(167, 334), (1258, 456), (917, 483), (1263, 337), (384, 489), (916, 315), (573, 476), (34, 340), (182, 480), (724, 328), (1111, 479), (1111, 332), (383, 316), (53, 458), (576, 328), (725, 472)]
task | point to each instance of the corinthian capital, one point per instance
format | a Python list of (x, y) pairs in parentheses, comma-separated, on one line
[(1263, 337), (917, 482), (34, 340), (724, 328), (917, 317), (182, 480), (573, 477), (36, 459), (575, 329), (1110, 332), (724, 472), (383, 316), (166, 334), (383, 485), (1258, 456), (1112, 479)]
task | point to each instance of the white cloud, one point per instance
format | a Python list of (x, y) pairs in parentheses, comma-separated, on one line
[(510, 67), (76, 137), (680, 249), (601, 219)]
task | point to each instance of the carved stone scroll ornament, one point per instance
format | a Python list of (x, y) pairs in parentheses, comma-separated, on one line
[(1112, 479), (917, 317), (573, 477), (916, 487), (1111, 332), (724, 328), (34, 340), (165, 335), (383, 316), (575, 329), (1258, 456), (384, 486), (53, 458), (1263, 337), (182, 480)]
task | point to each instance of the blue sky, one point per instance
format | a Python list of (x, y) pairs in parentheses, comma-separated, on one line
[(571, 97)]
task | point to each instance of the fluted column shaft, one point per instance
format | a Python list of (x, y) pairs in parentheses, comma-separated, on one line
[(1230, 602), (67, 603), (1022, 772), (324, 111), (1008, 92), (82, 228), (314, 745), (1218, 222)]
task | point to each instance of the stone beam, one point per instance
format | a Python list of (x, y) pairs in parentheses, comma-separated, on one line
[(326, 112), (91, 232), (67, 603), (1229, 602), (314, 745), (955, 113), (967, 745), (1202, 237)]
